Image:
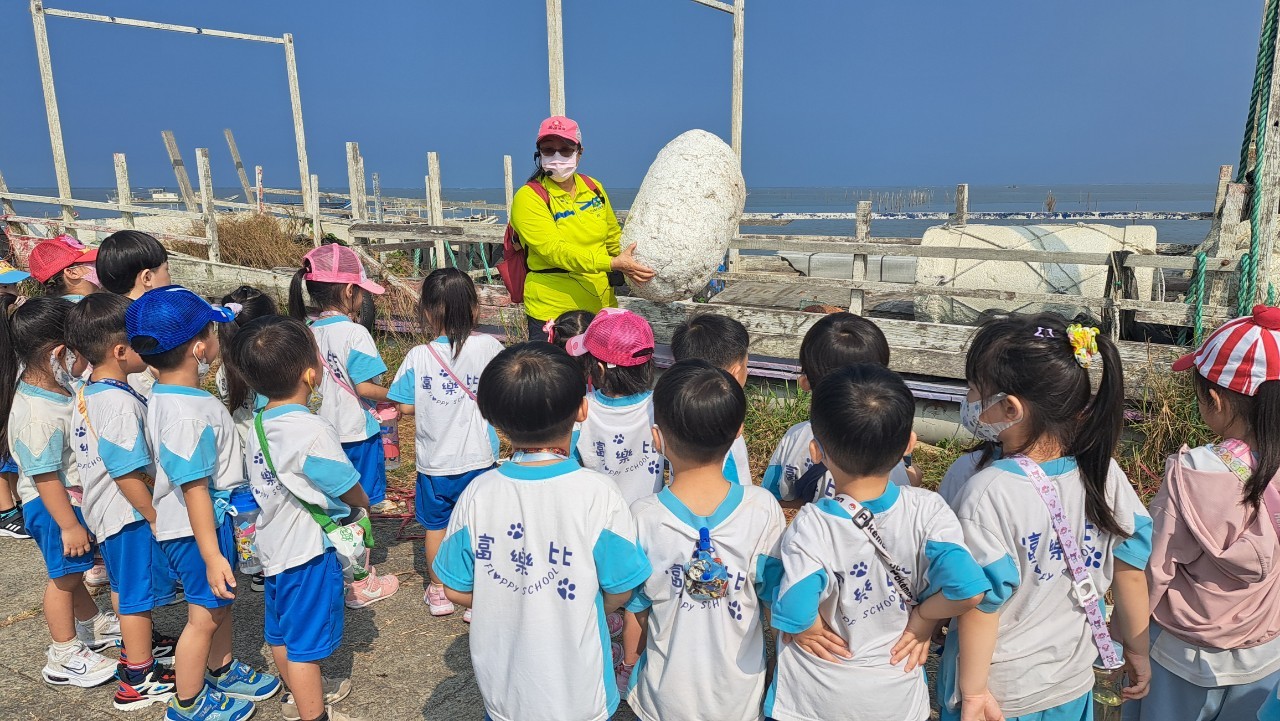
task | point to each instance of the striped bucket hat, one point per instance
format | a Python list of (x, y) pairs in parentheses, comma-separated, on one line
[(1240, 355)]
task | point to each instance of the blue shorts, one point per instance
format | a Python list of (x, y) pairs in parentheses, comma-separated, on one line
[(186, 562), (435, 496), (48, 537), (1174, 698), (371, 461), (8, 465), (303, 608), (137, 569)]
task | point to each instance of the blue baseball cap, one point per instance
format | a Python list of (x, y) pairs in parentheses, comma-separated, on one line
[(165, 318), (10, 274)]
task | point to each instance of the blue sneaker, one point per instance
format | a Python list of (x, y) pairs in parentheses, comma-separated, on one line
[(240, 681), (210, 705)]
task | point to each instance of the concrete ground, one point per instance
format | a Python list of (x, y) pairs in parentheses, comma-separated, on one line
[(403, 663)]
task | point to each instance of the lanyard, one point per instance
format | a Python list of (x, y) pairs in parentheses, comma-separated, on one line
[(1086, 594), (1233, 452), (121, 385), (862, 518)]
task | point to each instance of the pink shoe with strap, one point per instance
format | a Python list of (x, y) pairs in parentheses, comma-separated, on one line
[(371, 589)]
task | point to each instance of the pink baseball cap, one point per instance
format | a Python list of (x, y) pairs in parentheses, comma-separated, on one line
[(1240, 355), (336, 263), (616, 337), (560, 127)]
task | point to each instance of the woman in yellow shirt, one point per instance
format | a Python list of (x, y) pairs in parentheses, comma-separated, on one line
[(572, 237)]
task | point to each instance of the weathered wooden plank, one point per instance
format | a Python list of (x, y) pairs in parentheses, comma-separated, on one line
[(96, 227), (235, 159), (317, 233), (151, 25), (507, 186), (862, 234), (555, 57), (123, 192), (434, 187), (295, 105), (405, 230), (45, 61), (961, 216), (179, 170), (101, 205), (206, 202)]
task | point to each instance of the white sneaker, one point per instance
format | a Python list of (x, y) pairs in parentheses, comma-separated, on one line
[(384, 507), (77, 666), (100, 632), (96, 577), (338, 715), (335, 689), (436, 601)]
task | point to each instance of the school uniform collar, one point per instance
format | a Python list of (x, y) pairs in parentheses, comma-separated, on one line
[(726, 508), (520, 472), (876, 505), (620, 401), (330, 320), (1055, 467), (169, 389), (278, 411), (26, 388)]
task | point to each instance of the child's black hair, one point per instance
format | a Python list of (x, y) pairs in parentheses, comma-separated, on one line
[(1030, 357), (96, 325), (324, 295), (254, 304), (123, 255), (838, 340), (532, 393), (569, 324), (28, 333), (56, 286), (862, 416), (272, 353), (619, 381), (449, 305), (699, 409), (174, 357), (1262, 412), (717, 339)]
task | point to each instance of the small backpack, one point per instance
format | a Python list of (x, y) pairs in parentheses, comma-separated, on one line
[(514, 265)]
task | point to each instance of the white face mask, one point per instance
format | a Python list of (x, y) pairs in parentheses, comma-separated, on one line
[(971, 418), (202, 365), (561, 168), (62, 369)]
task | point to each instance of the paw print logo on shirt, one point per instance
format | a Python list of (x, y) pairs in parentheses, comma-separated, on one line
[(619, 439), (258, 460), (859, 570), (655, 467), (735, 610), (566, 589), (80, 431), (516, 530)]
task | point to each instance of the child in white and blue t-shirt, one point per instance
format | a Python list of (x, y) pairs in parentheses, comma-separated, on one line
[(198, 462), (835, 341), (878, 565), (704, 654), (115, 465), (336, 282), (33, 356), (295, 458), (437, 384), (615, 439), (724, 343), (541, 549)]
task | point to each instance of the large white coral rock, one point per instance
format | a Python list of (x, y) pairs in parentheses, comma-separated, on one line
[(685, 214)]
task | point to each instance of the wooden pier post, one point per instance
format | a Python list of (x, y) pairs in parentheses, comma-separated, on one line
[(862, 234), (555, 56), (377, 199), (508, 187), (45, 61), (353, 180), (206, 200), (436, 201), (735, 119), (962, 205), (317, 235), (257, 175), (295, 102), (235, 158), (123, 194), (360, 183), (179, 170)]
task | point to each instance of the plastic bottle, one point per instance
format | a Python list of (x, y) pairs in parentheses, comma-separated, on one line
[(246, 529)]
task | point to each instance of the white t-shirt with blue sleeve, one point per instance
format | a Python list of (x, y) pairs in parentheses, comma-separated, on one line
[(616, 439), (109, 439), (192, 438), (1044, 651), (536, 546), (830, 567), (737, 464), (40, 439), (348, 350), (312, 466), (243, 416), (705, 659), (791, 459), (450, 435)]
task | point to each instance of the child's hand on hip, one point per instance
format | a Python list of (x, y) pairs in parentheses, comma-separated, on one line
[(222, 581), (913, 645), (819, 640)]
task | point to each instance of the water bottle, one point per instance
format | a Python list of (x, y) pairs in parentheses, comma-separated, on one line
[(389, 424), (245, 523)]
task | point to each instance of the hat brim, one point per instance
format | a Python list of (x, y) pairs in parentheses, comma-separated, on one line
[(89, 256), (14, 276), (221, 314), (1185, 363), (372, 287), (563, 136), (576, 346)]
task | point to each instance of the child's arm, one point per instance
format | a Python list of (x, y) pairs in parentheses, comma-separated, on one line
[(915, 475), (913, 645), (136, 491), (356, 497), (1132, 619), (75, 537), (406, 409), (200, 510), (615, 601), (371, 391), (978, 631)]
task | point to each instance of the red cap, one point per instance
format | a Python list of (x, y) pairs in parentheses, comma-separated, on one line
[(560, 127), (51, 257), (1240, 355), (617, 337)]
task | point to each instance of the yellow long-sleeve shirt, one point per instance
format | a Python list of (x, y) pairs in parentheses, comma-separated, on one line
[(579, 234)]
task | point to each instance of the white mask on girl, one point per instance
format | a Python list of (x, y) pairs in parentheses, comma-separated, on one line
[(62, 369), (971, 418)]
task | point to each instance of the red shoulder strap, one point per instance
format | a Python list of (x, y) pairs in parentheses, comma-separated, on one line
[(541, 191), (591, 185)]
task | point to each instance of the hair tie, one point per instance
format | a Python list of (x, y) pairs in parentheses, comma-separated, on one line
[(235, 308), (549, 328), (1084, 343), (17, 303)]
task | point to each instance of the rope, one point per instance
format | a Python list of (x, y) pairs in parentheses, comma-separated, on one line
[(1266, 42), (1195, 297), (1248, 287)]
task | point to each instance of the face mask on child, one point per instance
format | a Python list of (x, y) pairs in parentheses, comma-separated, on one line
[(561, 168), (971, 418), (314, 399), (62, 368), (202, 365)]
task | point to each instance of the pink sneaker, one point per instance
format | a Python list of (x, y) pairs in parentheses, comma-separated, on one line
[(466, 615), (372, 589), (96, 577), (435, 599)]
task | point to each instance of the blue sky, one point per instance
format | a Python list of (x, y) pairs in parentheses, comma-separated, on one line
[(838, 92)]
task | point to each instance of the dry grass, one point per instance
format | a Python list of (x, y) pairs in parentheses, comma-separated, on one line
[(1166, 418), (253, 240), (771, 410)]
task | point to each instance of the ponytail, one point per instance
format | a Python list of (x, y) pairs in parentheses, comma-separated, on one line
[(29, 330), (8, 366), (254, 304), (297, 303), (1097, 435)]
